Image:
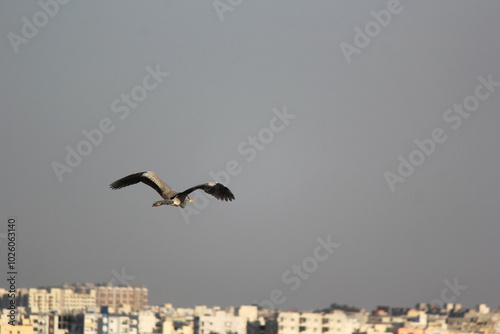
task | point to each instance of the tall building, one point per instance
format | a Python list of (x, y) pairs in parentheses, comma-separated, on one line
[(114, 296), (288, 322), (310, 323), (146, 321), (250, 313), (90, 322), (221, 323), (54, 298), (24, 326), (116, 324), (67, 298), (335, 322)]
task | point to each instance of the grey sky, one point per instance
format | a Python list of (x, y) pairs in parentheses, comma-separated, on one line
[(320, 175)]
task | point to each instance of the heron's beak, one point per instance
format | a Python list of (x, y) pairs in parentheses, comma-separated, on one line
[(191, 201)]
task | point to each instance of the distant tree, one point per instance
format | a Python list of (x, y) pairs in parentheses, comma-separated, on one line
[(258, 306), (335, 306)]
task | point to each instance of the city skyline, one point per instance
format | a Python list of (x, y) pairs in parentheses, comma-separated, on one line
[(71, 316)]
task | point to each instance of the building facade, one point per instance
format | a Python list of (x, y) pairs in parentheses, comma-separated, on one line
[(136, 296), (335, 322), (220, 323)]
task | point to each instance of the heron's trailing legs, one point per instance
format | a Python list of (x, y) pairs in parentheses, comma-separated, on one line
[(164, 202), (174, 202)]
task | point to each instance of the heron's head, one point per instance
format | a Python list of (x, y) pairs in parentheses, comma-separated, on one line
[(157, 203), (189, 199)]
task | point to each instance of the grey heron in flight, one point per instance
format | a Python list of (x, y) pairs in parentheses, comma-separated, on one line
[(170, 196)]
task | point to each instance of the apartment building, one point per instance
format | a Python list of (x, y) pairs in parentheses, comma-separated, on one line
[(288, 322), (221, 323), (24, 326), (117, 324), (147, 321), (250, 313), (90, 322), (136, 296), (39, 300), (337, 322), (42, 300), (314, 323), (310, 323)]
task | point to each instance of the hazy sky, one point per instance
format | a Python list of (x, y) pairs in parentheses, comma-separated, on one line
[(372, 126)]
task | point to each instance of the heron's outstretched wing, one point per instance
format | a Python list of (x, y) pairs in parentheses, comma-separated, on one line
[(149, 178), (215, 189)]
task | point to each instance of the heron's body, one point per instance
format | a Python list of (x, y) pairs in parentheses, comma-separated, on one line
[(170, 196)]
